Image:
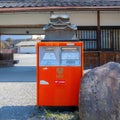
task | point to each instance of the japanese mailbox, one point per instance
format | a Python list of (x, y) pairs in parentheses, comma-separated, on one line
[(59, 73)]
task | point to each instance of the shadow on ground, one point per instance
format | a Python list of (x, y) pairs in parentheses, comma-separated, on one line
[(18, 74), (17, 112)]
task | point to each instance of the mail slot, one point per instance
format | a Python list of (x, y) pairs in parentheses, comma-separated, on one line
[(59, 73)]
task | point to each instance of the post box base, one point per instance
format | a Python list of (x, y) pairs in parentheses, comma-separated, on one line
[(59, 108)]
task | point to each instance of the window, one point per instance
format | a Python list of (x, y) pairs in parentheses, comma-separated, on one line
[(89, 36), (70, 56), (110, 38), (49, 56), (59, 56)]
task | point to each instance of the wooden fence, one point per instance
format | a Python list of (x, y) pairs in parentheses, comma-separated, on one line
[(6, 58), (97, 58)]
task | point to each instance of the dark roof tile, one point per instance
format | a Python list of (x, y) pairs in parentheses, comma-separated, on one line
[(55, 3)]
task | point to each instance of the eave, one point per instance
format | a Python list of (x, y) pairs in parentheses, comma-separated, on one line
[(50, 9)]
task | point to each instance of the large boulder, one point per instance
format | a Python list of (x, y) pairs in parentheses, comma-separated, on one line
[(99, 97)]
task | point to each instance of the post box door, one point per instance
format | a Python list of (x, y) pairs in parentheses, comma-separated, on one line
[(59, 86)]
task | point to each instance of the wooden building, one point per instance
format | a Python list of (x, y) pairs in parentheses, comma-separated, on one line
[(27, 47), (98, 23), (6, 54)]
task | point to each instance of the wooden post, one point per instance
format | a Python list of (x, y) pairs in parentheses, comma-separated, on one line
[(0, 42), (0, 49), (98, 36), (98, 32)]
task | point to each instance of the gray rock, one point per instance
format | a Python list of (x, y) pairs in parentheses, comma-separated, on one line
[(100, 93)]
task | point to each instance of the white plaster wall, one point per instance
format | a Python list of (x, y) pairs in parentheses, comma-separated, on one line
[(76, 17), (24, 18), (84, 18), (110, 18), (81, 18)]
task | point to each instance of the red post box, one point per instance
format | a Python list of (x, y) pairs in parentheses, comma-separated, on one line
[(59, 72)]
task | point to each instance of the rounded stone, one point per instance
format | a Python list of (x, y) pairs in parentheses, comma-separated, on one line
[(99, 96)]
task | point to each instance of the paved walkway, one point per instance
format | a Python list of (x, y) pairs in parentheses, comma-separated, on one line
[(18, 89)]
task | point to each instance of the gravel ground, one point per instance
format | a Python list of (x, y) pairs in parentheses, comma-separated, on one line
[(17, 89)]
